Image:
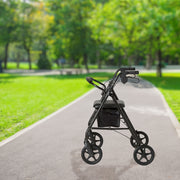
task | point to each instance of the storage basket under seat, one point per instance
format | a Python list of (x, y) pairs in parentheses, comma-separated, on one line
[(109, 115)]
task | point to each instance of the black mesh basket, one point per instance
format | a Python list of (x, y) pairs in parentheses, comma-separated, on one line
[(108, 117)]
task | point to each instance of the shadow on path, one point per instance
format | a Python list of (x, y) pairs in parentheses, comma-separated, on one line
[(141, 84), (89, 172)]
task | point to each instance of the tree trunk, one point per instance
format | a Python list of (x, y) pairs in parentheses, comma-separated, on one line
[(159, 57), (28, 53), (149, 61), (98, 59), (159, 65), (85, 57), (119, 60), (6, 55), (130, 60), (1, 69), (29, 59), (72, 62), (17, 65), (18, 59)]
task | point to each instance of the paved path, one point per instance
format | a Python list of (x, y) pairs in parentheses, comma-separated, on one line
[(80, 71), (51, 150)]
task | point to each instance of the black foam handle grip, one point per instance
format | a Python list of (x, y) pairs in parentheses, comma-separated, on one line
[(127, 68), (132, 72), (131, 68), (135, 72), (89, 79)]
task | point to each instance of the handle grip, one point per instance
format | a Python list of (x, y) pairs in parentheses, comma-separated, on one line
[(123, 74), (132, 72), (123, 70), (127, 68), (89, 80)]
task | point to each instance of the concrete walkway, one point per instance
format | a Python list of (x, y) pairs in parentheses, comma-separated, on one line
[(51, 150), (69, 71)]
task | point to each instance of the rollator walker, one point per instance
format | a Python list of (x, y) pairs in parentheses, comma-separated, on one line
[(109, 115)]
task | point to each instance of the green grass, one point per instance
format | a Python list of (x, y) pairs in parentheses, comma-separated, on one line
[(27, 99), (22, 65), (169, 85), (25, 65)]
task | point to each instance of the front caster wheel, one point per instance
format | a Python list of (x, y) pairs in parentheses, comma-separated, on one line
[(96, 139), (91, 154), (142, 136), (144, 155)]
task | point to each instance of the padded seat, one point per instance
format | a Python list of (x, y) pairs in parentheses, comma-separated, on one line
[(108, 104)]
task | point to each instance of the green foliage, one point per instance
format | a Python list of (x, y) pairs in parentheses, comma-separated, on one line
[(92, 31), (72, 36), (8, 21), (43, 62), (27, 25), (138, 27)]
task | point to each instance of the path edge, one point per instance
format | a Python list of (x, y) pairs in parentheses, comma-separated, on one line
[(172, 116)]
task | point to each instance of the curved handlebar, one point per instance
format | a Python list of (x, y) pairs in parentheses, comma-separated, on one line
[(90, 80), (120, 73), (123, 69)]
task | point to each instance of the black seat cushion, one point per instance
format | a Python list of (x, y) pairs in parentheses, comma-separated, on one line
[(109, 104)]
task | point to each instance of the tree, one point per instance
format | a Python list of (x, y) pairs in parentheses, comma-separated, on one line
[(42, 34), (8, 25), (27, 26), (114, 23), (156, 19), (72, 34), (138, 28)]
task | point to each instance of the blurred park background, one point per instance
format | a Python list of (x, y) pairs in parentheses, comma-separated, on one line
[(81, 34)]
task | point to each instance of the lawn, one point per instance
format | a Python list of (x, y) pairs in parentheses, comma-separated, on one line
[(22, 65), (25, 65), (27, 99), (169, 85)]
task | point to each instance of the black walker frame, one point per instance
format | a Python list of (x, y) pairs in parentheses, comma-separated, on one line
[(91, 152)]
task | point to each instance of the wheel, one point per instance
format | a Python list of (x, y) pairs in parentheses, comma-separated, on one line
[(144, 155), (143, 137), (91, 155), (96, 139)]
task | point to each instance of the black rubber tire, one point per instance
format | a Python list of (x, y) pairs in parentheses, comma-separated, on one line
[(144, 139), (144, 155), (97, 155), (97, 139)]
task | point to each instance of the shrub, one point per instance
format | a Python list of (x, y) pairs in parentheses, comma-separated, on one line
[(43, 62)]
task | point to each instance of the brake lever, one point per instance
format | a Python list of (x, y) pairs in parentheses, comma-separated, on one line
[(135, 77)]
